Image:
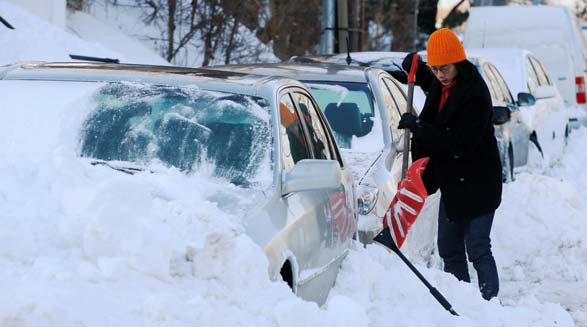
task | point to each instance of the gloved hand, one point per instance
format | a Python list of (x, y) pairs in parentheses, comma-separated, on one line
[(408, 121), (407, 63)]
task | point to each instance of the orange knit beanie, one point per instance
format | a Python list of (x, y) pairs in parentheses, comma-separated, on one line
[(444, 48)]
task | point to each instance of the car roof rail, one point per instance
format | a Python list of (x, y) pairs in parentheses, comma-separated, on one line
[(96, 59)]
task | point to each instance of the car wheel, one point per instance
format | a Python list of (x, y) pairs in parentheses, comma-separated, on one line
[(534, 139), (287, 274)]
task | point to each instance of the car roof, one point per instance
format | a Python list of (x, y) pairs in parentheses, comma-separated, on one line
[(235, 82), (510, 63), (304, 72)]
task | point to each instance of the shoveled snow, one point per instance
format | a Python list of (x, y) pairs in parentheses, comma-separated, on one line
[(84, 245)]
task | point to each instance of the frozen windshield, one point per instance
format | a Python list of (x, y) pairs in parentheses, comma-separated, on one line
[(225, 135), (348, 107)]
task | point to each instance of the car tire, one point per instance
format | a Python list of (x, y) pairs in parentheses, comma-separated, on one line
[(534, 139), (287, 274)]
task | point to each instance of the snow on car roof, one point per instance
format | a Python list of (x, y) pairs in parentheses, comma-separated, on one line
[(509, 62)]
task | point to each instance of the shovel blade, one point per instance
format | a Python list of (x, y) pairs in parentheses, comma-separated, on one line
[(407, 203)]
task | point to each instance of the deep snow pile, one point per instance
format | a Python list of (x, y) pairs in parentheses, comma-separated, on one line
[(84, 245), (88, 245)]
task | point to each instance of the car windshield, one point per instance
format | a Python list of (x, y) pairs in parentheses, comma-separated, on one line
[(222, 134), (348, 107)]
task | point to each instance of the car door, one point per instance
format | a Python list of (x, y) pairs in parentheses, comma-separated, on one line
[(310, 231), (552, 117), (520, 131), (386, 172), (341, 201), (519, 134)]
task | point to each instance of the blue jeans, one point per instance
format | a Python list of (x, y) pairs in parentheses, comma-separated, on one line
[(459, 239)]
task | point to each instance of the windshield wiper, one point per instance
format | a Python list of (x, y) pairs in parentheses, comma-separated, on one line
[(126, 170), (95, 59), (5, 23)]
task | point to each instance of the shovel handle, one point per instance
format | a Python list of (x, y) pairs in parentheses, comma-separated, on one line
[(410, 100), (413, 69)]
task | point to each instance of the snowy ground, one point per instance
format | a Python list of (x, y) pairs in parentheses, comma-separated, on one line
[(82, 245)]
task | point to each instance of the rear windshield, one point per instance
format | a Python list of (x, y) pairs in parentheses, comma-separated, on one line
[(221, 134)]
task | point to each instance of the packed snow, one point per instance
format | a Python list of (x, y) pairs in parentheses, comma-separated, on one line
[(84, 245)]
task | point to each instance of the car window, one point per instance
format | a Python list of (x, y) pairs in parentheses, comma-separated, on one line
[(350, 111), (293, 141), (542, 76), (225, 134), (505, 91), (394, 103), (316, 132), (532, 79), (496, 95), (501, 90)]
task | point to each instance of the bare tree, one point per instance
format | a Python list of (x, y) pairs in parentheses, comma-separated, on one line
[(168, 15), (403, 15), (377, 15), (293, 27)]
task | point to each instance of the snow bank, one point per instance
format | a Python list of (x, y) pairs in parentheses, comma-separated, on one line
[(36, 39), (88, 245)]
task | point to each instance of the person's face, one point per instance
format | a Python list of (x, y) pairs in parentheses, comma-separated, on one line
[(446, 74)]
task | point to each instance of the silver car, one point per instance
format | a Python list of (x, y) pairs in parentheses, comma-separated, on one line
[(264, 135), (363, 106)]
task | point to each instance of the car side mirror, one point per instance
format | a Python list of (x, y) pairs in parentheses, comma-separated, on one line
[(545, 92), (501, 115), (526, 99), (312, 174)]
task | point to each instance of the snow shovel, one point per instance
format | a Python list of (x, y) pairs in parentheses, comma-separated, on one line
[(402, 213), (408, 201)]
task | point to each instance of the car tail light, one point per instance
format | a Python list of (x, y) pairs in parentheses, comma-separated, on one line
[(580, 85)]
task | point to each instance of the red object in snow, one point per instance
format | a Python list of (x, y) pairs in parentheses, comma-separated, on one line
[(407, 202)]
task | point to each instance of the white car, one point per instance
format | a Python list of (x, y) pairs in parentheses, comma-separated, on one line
[(550, 32), (262, 139), (547, 117)]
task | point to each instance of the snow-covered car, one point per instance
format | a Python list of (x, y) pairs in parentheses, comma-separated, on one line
[(547, 116), (550, 32), (262, 140), (363, 107)]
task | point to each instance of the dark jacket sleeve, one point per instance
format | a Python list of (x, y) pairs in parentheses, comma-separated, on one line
[(467, 128), (424, 77)]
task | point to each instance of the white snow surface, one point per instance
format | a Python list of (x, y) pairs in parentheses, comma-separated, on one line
[(34, 38), (84, 245)]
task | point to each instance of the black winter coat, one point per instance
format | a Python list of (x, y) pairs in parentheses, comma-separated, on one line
[(460, 141)]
